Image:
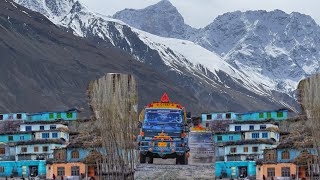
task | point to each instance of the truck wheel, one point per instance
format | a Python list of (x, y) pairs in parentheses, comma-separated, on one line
[(142, 158), (183, 159), (150, 160)]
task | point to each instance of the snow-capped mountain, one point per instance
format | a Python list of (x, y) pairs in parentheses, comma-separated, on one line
[(275, 49), (213, 81), (161, 19)]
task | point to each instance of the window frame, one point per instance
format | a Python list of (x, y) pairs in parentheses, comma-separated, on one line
[(285, 155), (285, 172), (21, 137), (45, 137), (45, 147), (2, 169), (237, 128), (246, 149), (75, 170), (263, 126), (233, 148), (2, 150), (1, 116), (219, 138), (264, 135), (255, 147), (51, 115), (10, 138), (53, 127), (251, 127), (19, 116), (54, 135), (230, 137), (35, 149), (228, 115), (271, 172), (269, 115), (61, 171), (75, 154), (255, 135), (28, 128), (69, 115), (280, 114), (42, 128), (24, 149), (261, 115)]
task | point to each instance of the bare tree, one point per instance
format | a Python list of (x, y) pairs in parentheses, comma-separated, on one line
[(113, 99), (309, 91)]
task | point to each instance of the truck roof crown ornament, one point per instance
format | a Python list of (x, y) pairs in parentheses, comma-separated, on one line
[(165, 98)]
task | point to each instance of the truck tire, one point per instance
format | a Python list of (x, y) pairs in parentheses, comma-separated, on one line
[(142, 158), (150, 160)]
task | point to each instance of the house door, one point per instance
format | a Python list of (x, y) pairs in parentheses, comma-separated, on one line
[(243, 171), (33, 171)]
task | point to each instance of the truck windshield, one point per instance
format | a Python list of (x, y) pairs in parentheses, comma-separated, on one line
[(163, 116), (200, 137)]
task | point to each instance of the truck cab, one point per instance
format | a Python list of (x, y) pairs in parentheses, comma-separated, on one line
[(163, 132)]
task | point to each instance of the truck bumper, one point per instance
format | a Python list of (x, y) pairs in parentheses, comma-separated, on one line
[(164, 153)]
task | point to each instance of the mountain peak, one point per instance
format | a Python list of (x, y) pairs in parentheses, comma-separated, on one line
[(162, 19)]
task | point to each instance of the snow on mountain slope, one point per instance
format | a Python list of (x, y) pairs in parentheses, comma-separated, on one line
[(273, 48), (198, 55), (190, 65)]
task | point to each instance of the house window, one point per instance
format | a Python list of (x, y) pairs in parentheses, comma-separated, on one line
[(54, 135), (233, 150), (264, 135), (228, 116), (45, 135), (36, 149), (280, 115), (285, 155), (53, 127), (255, 135), (45, 149), (69, 115), (75, 155), (58, 115), (2, 151), (263, 126), (239, 116), (269, 115), (51, 116), (285, 171), (209, 116), (1, 169), (21, 138), (255, 149), (1, 117), (270, 172), (251, 127), (219, 138), (60, 171), (28, 128), (19, 116), (237, 128), (245, 149), (24, 149), (75, 170), (41, 128), (230, 138), (10, 138), (261, 115)]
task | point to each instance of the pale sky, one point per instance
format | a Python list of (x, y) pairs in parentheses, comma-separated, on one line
[(199, 13)]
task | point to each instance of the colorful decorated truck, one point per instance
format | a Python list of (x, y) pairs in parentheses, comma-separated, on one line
[(163, 132)]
